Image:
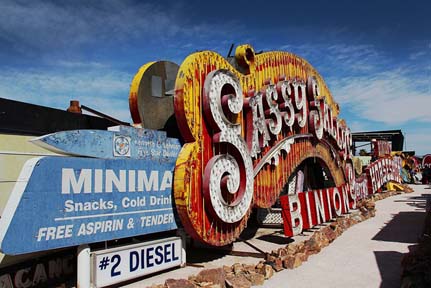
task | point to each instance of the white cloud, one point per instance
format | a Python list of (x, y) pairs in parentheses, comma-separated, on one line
[(419, 141), (338, 58), (361, 58), (418, 55), (101, 89), (392, 97), (80, 64), (358, 126), (53, 28), (43, 24)]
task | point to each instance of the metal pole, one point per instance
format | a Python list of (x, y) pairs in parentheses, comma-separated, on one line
[(100, 114), (83, 269), (183, 235), (405, 141)]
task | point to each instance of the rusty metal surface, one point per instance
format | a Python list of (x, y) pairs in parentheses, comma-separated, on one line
[(151, 94), (202, 129)]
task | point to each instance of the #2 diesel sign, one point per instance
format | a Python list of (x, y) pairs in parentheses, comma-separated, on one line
[(128, 262)]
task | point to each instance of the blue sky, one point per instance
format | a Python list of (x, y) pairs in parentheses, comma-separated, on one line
[(374, 55)]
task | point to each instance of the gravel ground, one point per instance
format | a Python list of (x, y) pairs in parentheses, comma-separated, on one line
[(367, 254)]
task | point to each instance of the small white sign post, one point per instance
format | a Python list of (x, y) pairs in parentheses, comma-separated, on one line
[(83, 266)]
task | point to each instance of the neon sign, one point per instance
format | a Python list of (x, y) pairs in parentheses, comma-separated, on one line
[(310, 208), (247, 126), (248, 122)]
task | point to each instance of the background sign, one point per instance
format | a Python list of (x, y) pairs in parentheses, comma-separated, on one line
[(119, 141), (52, 270), (68, 201), (128, 262), (426, 161)]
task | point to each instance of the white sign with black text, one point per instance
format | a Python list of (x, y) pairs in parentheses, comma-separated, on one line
[(120, 264)]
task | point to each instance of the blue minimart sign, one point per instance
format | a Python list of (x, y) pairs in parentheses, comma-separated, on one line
[(67, 201)]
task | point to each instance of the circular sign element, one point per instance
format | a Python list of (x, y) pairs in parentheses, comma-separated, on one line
[(121, 146)]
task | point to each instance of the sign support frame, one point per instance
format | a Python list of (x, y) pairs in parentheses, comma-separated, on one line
[(83, 277)]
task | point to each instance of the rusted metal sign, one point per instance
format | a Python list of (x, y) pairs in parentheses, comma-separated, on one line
[(307, 209), (381, 148), (247, 125)]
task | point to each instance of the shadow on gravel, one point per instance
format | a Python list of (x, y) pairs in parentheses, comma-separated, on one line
[(417, 201), (405, 227), (200, 255), (277, 239), (250, 231), (389, 267)]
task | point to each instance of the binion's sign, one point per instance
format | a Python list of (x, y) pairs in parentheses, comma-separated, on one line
[(310, 208)]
